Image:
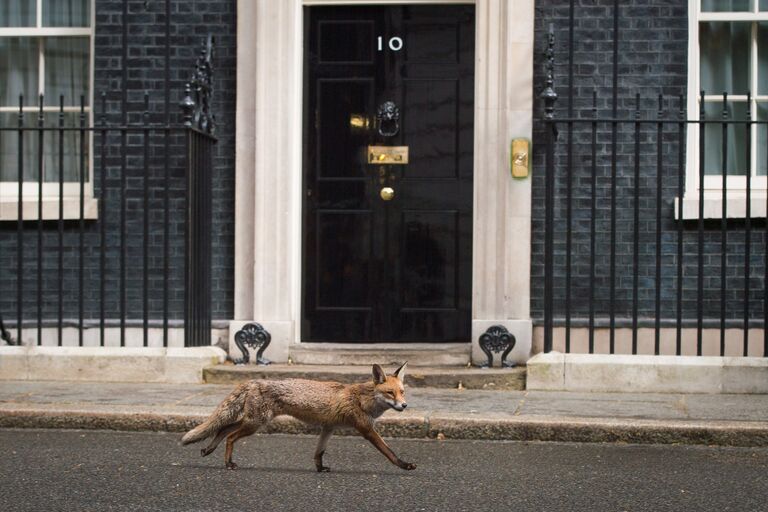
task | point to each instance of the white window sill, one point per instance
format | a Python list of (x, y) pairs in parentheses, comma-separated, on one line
[(713, 205), (9, 209)]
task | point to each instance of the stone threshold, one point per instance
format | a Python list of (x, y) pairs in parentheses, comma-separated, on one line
[(365, 354), (459, 377)]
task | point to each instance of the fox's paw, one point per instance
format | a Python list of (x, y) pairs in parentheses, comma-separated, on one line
[(407, 466), (231, 465), (323, 469)]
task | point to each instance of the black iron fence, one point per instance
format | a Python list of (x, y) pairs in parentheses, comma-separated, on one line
[(622, 251), (112, 231)]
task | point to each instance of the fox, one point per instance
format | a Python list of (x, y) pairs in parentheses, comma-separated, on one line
[(327, 404)]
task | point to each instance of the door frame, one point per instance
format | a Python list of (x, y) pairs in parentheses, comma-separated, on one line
[(268, 168)]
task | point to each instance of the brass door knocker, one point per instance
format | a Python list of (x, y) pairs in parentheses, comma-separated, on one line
[(388, 119)]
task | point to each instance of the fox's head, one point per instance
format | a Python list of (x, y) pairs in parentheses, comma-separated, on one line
[(389, 389)]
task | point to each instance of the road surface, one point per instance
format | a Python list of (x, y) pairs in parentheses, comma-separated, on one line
[(50, 470)]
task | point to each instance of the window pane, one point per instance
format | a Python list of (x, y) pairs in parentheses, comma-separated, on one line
[(66, 70), (726, 5), (69, 147), (764, 5), (762, 139), (736, 163), (18, 69), (9, 148), (725, 51), (762, 56), (17, 13), (66, 13)]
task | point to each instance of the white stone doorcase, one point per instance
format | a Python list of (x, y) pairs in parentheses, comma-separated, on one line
[(268, 175)]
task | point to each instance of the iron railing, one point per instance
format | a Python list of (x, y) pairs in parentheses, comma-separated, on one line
[(613, 200), (142, 259)]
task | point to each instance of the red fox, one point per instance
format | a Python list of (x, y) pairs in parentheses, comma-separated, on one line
[(328, 404)]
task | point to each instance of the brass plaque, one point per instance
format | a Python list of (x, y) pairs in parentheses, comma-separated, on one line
[(387, 155)]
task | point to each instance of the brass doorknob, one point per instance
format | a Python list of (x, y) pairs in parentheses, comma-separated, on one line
[(387, 193)]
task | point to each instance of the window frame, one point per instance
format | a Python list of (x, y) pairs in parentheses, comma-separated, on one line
[(9, 190), (713, 184)]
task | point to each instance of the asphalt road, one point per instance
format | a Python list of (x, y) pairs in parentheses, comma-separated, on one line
[(94, 470)]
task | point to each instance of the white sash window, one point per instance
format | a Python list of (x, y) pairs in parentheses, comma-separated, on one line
[(728, 52), (46, 48)]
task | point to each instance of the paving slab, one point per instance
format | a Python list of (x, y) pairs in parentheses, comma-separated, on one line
[(740, 420)]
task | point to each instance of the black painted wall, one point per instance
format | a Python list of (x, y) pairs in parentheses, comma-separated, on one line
[(652, 60), (145, 69)]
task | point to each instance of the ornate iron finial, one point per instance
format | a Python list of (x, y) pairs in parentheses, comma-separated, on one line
[(187, 105), (725, 106), (145, 114), (749, 107), (496, 339), (548, 94), (103, 116), (253, 335), (198, 97)]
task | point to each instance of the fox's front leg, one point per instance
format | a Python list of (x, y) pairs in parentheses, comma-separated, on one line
[(320, 450), (376, 440)]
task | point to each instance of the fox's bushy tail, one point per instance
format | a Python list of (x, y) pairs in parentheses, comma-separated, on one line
[(228, 412)]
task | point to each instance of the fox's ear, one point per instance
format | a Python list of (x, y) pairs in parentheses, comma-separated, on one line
[(400, 372), (378, 375)]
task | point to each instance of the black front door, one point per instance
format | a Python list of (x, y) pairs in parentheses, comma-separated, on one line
[(387, 244)]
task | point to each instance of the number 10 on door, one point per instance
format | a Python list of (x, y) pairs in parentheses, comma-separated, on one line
[(395, 43)]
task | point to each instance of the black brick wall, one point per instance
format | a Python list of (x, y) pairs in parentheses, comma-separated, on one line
[(652, 60), (191, 21)]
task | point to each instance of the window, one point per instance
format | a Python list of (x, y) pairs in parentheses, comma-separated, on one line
[(728, 52), (45, 49)]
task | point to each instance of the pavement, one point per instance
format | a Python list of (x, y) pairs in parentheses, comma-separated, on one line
[(727, 420)]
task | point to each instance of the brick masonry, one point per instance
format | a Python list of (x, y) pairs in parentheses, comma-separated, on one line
[(190, 22), (652, 60)]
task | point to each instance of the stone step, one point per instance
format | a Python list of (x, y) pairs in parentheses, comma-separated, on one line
[(501, 379), (385, 354)]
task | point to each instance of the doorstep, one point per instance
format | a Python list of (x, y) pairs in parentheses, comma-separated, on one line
[(463, 377), (385, 354)]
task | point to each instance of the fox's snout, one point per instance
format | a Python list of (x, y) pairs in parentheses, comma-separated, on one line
[(393, 399), (389, 388)]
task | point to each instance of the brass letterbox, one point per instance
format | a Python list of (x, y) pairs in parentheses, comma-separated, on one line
[(387, 155)]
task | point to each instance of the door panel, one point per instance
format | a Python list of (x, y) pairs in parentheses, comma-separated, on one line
[(340, 100), (432, 42), (427, 135), (429, 261), (343, 262), (396, 270), (339, 41)]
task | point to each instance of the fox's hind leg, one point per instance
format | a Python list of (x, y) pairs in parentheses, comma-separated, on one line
[(320, 450), (244, 431), (220, 435), (254, 418)]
